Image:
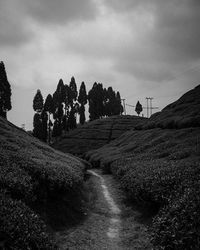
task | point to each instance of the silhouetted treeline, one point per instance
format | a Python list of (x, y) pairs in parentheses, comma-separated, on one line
[(67, 102), (5, 92)]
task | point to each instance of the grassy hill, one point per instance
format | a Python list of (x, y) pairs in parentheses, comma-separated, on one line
[(95, 134), (36, 184), (183, 113), (158, 165)]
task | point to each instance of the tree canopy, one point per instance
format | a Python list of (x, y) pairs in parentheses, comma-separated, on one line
[(38, 102), (66, 103), (5, 92), (138, 108)]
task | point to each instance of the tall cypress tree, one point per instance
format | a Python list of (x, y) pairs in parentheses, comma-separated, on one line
[(37, 126), (82, 99), (72, 100), (44, 119), (38, 104), (138, 108), (93, 102), (5, 92), (49, 107), (58, 100), (73, 88)]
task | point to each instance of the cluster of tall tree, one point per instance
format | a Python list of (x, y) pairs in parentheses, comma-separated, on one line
[(5, 92), (63, 105), (103, 102), (66, 102), (40, 117)]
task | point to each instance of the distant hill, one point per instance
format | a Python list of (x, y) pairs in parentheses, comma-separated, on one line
[(95, 134), (183, 113), (158, 165), (36, 183)]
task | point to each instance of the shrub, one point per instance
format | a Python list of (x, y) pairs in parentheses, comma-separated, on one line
[(22, 227), (172, 185)]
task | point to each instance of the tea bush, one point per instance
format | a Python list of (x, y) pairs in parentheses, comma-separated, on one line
[(23, 229), (175, 187), (32, 173)]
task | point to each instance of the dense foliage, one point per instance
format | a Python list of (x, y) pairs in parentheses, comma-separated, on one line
[(138, 108), (20, 227), (103, 102), (173, 186), (30, 174), (160, 168), (66, 102), (5, 92), (183, 113)]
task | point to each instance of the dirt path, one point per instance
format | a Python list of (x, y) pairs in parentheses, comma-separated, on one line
[(110, 224)]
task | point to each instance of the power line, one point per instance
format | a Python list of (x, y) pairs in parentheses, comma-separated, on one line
[(149, 106)]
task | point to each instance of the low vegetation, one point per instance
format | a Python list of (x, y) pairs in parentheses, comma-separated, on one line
[(95, 134), (183, 113), (160, 168), (32, 176), (158, 164)]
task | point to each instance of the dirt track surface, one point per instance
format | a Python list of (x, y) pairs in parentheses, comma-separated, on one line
[(110, 224)]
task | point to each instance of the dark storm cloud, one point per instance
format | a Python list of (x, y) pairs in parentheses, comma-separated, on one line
[(60, 11), (13, 31), (174, 38), (18, 16)]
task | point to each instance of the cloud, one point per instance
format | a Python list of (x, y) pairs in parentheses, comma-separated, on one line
[(13, 30), (169, 43), (133, 45), (18, 18), (60, 11)]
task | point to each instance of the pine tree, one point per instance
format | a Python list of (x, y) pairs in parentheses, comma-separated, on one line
[(138, 108), (49, 107), (72, 100), (73, 88), (37, 126), (44, 119), (58, 116), (82, 114), (82, 99), (111, 101), (5, 92), (38, 102), (67, 101), (92, 102), (38, 120), (118, 107), (96, 101), (61, 91)]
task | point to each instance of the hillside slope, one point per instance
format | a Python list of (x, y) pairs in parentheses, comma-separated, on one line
[(95, 134), (33, 176), (183, 113), (160, 167)]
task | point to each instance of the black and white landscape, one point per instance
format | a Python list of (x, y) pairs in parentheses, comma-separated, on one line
[(100, 124)]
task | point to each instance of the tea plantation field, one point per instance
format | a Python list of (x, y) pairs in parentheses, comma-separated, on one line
[(34, 177)]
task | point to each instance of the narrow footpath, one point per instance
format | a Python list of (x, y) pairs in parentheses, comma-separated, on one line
[(111, 224)]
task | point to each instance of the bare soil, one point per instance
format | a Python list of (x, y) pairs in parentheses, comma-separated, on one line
[(109, 223)]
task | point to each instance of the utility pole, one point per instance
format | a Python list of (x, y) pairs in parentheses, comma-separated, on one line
[(124, 105), (149, 106), (151, 98)]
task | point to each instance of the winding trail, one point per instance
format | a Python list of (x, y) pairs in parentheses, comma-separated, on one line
[(113, 230), (109, 224)]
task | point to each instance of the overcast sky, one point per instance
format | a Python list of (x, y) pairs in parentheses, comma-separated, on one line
[(142, 48)]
